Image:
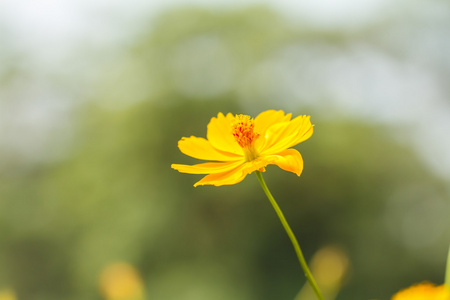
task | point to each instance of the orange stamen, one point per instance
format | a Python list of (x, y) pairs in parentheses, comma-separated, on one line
[(243, 131)]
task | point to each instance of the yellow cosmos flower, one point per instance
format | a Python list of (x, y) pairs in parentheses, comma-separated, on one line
[(7, 294), (424, 291), (240, 145), (121, 281)]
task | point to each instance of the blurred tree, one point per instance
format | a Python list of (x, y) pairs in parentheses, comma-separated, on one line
[(115, 198)]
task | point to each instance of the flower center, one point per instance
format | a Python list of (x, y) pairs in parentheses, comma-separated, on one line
[(243, 132)]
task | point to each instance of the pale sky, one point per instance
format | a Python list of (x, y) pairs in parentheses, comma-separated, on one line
[(36, 23)]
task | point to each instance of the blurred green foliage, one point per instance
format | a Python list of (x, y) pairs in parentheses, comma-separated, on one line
[(114, 196)]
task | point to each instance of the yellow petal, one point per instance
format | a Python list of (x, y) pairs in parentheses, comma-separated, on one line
[(277, 134), (220, 136), (289, 160), (282, 136), (264, 121), (268, 118), (233, 176), (207, 168), (202, 149), (259, 164), (237, 174), (424, 291), (305, 131)]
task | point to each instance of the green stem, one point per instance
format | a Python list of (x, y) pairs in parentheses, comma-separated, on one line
[(291, 235), (447, 271)]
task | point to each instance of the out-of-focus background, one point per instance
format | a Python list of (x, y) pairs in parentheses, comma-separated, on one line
[(94, 96)]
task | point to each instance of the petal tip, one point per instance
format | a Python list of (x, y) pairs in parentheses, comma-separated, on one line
[(176, 167)]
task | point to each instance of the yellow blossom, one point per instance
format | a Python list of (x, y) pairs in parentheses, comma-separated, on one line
[(424, 291), (121, 281), (7, 294), (240, 145)]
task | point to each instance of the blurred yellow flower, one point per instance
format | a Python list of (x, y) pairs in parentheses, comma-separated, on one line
[(329, 265), (121, 281), (424, 291), (7, 294), (241, 145)]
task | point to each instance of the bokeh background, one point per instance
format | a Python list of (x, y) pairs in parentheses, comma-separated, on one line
[(94, 96)]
